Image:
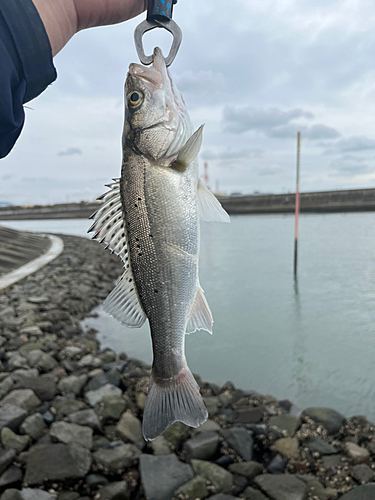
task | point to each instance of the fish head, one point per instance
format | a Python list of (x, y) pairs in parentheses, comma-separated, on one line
[(156, 119)]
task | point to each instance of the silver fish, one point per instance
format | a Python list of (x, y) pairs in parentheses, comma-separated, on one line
[(150, 218)]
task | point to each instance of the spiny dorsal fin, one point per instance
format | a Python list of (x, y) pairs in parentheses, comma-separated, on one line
[(209, 207), (200, 317), (189, 151)]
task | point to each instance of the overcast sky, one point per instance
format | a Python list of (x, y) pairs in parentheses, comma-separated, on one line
[(254, 74)]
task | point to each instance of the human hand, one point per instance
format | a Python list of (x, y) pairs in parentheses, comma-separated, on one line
[(62, 19)]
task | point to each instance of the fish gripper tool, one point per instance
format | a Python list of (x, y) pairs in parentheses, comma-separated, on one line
[(159, 15)]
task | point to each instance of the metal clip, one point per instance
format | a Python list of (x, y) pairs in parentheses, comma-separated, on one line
[(148, 25)]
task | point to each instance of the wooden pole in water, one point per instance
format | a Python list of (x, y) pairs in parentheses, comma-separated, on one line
[(297, 205)]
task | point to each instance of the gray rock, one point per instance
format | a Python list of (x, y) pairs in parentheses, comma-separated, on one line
[(193, 489), (277, 465), (212, 405), (23, 398), (11, 440), (176, 434), (95, 397), (221, 496), (203, 446), (5, 386), (87, 418), (11, 494), (34, 426), (118, 365), (113, 377), (111, 408), (41, 360), (366, 492), (282, 486), (6, 458), (72, 384), (71, 352), (17, 361), (247, 469), (208, 426), (107, 356), (287, 447), (89, 361), (64, 406), (69, 495), (44, 387), (114, 491), (332, 461), (18, 375), (162, 476), (71, 433), (130, 428), (362, 473), (285, 423), (331, 420), (249, 415), (95, 480), (315, 487), (252, 494), (11, 416), (34, 494), (358, 454), (240, 440), (12, 476), (219, 477), (160, 446), (116, 459), (56, 461), (320, 446)]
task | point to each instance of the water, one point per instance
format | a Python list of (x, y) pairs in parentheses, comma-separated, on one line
[(312, 341)]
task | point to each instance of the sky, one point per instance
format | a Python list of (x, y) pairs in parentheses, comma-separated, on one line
[(254, 72)]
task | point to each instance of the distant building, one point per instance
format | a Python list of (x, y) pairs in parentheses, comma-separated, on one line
[(5, 204)]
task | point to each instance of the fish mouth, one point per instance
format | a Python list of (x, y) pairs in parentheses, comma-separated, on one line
[(155, 76)]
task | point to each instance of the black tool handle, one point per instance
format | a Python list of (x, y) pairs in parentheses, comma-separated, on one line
[(160, 9)]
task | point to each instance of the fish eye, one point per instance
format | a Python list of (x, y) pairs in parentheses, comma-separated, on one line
[(134, 99)]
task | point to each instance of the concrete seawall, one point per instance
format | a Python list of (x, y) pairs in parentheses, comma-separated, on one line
[(351, 200)]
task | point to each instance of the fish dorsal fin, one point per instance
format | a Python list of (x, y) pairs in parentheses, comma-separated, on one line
[(123, 302), (189, 151), (200, 317), (209, 207)]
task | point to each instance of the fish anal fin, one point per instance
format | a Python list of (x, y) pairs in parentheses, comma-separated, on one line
[(123, 302), (200, 317), (209, 207), (189, 151)]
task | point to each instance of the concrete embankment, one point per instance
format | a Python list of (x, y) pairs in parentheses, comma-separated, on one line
[(71, 413), (351, 200)]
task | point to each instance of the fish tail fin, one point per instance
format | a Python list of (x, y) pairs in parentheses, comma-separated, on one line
[(172, 400)]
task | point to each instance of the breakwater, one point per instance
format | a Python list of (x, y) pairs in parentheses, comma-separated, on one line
[(351, 200), (71, 412)]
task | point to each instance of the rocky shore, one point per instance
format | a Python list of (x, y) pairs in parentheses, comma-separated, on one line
[(70, 414)]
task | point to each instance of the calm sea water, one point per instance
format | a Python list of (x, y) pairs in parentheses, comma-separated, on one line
[(312, 341)]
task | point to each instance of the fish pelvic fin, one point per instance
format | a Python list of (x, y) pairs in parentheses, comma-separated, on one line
[(172, 400), (189, 151)]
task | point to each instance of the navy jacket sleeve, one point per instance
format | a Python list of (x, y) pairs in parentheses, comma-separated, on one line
[(26, 66)]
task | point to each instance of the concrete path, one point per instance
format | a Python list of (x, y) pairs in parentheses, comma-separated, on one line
[(24, 253)]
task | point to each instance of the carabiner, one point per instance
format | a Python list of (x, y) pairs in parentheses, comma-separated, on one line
[(159, 15)]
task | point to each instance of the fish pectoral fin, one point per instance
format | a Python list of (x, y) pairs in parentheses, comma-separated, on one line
[(209, 207), (189, 151), (200, 316), (123, 303)]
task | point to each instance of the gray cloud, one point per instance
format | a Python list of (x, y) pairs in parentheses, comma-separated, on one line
[(315, 132), (350, 166), (6, 177), (350, 145), (268, 171), (242, 120), (70, 152)]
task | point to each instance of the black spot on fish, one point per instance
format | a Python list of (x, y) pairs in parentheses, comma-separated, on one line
[(136, 206), (150, 235), (138, 246), (156, 291), (130, 280), (131, 289), (139, 254), (139, 199)]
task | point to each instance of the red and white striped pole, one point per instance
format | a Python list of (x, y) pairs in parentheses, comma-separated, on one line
[(206, 173), (297, 205)]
